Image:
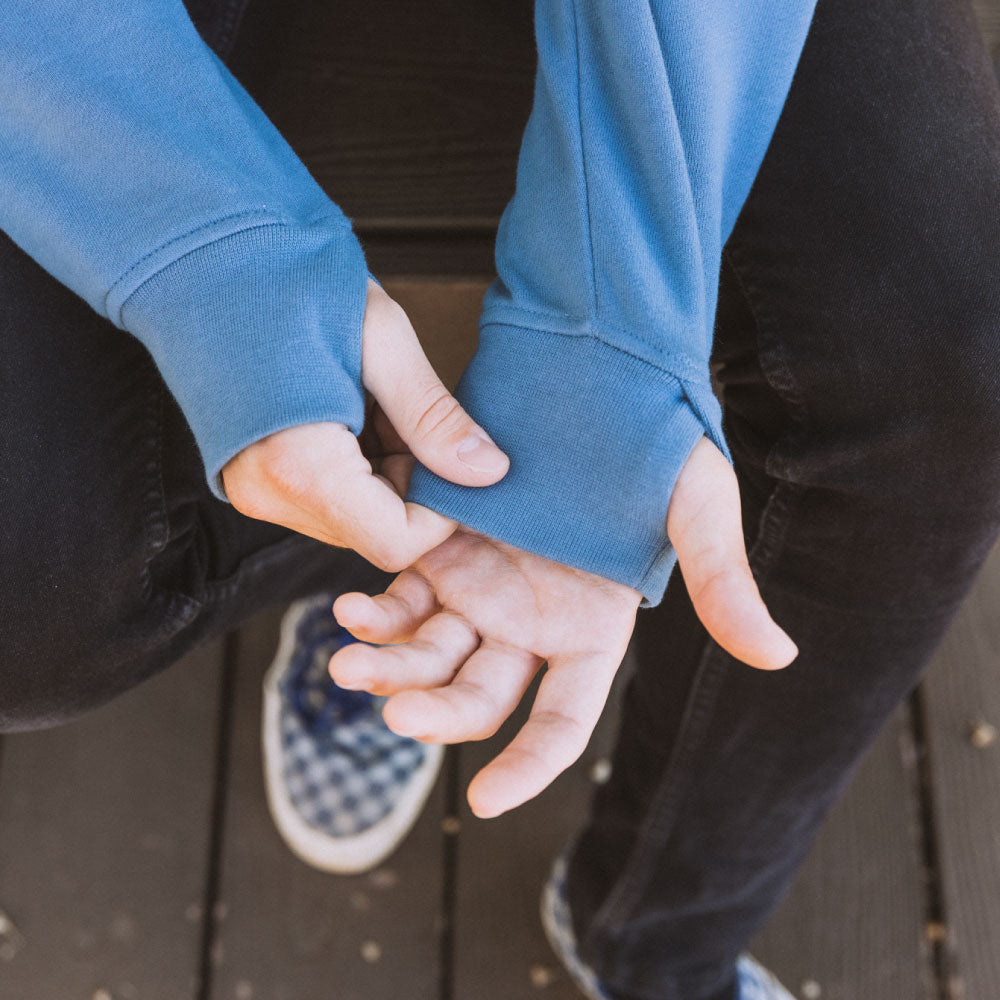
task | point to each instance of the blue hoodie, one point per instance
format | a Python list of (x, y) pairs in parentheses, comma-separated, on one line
[(137, 171)]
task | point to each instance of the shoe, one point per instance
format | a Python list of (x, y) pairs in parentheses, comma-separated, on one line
[(342, 788), (755, 982)]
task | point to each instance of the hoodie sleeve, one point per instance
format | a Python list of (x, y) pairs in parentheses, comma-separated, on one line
[(138, 172), (649, 122)]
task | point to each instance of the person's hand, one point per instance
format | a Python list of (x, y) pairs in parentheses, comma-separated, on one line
[(474, 619), (317, 479)]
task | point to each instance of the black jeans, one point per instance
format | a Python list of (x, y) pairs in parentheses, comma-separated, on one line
[(116, 557), (858, 344), (858, 339)]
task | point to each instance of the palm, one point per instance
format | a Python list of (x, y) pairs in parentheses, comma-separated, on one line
[(475, 620)]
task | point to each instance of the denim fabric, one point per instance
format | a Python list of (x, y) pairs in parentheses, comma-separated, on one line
[(857, 342), (858, 347), (116, 558), (218, 22)]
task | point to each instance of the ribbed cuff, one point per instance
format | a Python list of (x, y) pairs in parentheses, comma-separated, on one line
[(596, 439), (258, 331)]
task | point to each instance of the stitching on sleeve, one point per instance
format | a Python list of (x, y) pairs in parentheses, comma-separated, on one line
[(681, 367), (583, 162), (124, 287), (181, 236)]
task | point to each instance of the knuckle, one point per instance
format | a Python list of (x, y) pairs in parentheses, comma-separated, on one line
[(484, 709), (436, 411), (721, 586), (386, 558), (278, 472), (572, 735), (246, 497)]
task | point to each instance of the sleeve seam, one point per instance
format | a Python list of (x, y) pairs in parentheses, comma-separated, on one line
[(680, 367), (588, 215), (132, 279)]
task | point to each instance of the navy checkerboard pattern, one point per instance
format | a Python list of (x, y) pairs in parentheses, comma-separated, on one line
[(344, 770)]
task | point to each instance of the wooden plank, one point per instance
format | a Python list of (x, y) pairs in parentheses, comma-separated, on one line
[(103, 843), (853, 924), (962, 697), (288, 932), (401, 110), (444, 314), (988, 15), (500, 948), (428, 251)]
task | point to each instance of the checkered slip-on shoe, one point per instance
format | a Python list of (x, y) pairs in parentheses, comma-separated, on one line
[(343, 789), (755, 982)]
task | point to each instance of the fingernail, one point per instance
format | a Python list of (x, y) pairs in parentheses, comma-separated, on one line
[(479, 454), (354, 684), (790, 650)]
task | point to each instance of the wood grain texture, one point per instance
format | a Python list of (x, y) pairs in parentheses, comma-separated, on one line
[(853, 923), (103, 843), (419, 250), (409, 114), (988, 14), (406, 109), (501, 951), (445, 316), (288, 932), (962, 692)]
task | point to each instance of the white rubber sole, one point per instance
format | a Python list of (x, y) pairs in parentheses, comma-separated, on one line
[(341, 855), (556, 924), (757, 982)]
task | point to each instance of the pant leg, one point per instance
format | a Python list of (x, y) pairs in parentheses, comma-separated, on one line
[(218, 22), (116, 558), (859, 340)]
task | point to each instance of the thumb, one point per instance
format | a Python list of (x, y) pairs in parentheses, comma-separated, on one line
[(426, 416), (705, 527)]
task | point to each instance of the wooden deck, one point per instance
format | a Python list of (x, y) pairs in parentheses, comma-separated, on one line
[(137, 858)]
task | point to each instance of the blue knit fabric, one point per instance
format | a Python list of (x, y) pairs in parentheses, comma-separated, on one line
[(649, 123), (138, 172)]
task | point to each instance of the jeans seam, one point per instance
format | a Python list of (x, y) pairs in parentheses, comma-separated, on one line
[(663, 812), (771, 355), (232, 14), (154, 520), (217, 591), (661, 816), (176, 609)]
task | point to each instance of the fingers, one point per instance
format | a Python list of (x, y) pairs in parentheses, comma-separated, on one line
[(705, 527), (431, 658), (374, 521), (387, 434), (393, 616), (473, 705), (314, 479), (566, 710), (426, 416)]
